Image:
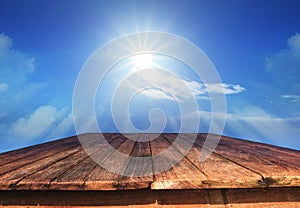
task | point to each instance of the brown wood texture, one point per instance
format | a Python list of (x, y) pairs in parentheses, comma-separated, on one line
[(257, 197), (277, 166), (65, 165)]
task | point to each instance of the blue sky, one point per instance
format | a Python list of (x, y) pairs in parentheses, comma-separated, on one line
[(254, 45)]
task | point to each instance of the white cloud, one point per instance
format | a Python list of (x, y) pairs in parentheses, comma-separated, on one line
[(14, 64), (224, 88), (16, 69), (3, 87), (294, 43), (157, 84), (37, 124), (5, 43), (203, 98), (196, 87), (25, 119), (157, 94), (283, 68), (292, 98), (284, 65), (62, 128), (165, 85), (46, 122)]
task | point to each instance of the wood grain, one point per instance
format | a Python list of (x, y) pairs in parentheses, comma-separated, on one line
[(220, 172), (277, 166), (23, 168), (30, 155), (182, 173), (267, 197), (139, 170), (14, 155), (65, 165)]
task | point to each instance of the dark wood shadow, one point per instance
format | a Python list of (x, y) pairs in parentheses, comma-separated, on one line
[(147, 196)]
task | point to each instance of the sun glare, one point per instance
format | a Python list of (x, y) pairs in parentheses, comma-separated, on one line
[(142, 60)]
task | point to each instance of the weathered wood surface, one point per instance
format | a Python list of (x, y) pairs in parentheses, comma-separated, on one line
[(277, 165), (65, 165), (197, 198), (184, 175)]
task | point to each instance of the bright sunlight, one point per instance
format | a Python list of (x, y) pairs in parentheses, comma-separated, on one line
[(142, 60)]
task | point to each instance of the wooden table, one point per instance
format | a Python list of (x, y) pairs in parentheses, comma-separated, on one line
[(238, 173)]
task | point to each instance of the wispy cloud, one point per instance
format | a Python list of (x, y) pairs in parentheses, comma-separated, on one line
[(292, 98), (283, 70), (3, 87), (37, 124), (159, 84), (44, 123), (157, 94), (224, 88), (256, 124), (284, 65), (164, 85), (24, 120), (16, 69), (275, 130)]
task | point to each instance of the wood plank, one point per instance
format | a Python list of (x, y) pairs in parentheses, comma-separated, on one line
[(130, 198), (221, 173), (139, 170), (266, 197), (41, 180), (9, 167), (106, 180), (74, 177), (182, 198), (282, 156), (10, 179), (270, 195), (65, 166), (102, 179), (182, 175), (276, 170), (140, 163), (36, 150), (283, 150), (35, 147), (216, 196), (281, 153), (44, 178)]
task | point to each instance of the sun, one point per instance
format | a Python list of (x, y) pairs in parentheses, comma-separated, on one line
[(142, 60)]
